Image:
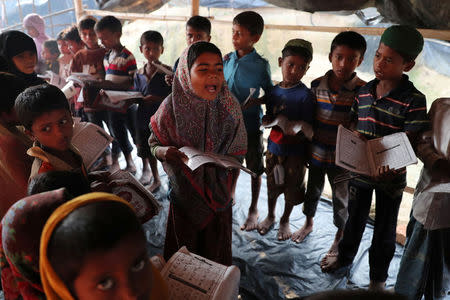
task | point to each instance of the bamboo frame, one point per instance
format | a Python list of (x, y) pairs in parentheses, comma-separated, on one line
[(195, 7)]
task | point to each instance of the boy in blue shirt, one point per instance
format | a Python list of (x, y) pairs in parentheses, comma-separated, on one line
[(388, 104), (245, 69), (150, 82), (286, 151)]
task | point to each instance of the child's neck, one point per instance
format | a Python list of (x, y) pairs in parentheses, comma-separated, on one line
[(288, 85), (93, 48), (335, 84), (244, 52), (117, 48), (385, 86)]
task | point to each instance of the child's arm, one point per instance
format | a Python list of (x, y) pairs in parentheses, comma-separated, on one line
[(168, 154), (152, 99), (254, 101)]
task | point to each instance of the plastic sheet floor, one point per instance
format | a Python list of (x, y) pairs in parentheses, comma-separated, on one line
[(272, 269)]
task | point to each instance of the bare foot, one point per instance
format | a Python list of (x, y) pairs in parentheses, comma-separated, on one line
[(114, 167), (252, 221), (329, 263), (155, 185), (146, 177), (265, 225), (302, 233), (284, 233), (334, 250), (131, 168)]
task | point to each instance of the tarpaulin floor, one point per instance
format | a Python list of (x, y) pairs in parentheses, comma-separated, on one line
[(272, 269)]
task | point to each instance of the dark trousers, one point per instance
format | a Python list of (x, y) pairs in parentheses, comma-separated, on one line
[(388, 199), (97, 118), (119, 123)]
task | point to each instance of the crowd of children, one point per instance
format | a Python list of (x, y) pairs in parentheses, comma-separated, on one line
[(204, 105)]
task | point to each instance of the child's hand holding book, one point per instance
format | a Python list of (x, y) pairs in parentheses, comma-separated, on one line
[(171, 154)]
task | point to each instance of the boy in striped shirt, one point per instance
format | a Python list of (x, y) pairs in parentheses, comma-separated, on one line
[(335, 93), (388, 104)]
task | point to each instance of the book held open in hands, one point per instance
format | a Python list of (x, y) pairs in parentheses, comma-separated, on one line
[(197, 158), (290, 127), (363, 156), (117, 96)]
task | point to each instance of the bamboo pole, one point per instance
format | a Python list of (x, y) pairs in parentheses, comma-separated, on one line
[(78, 5), (195, 9)]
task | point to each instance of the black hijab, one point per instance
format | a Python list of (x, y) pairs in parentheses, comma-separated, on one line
[(12, 43)]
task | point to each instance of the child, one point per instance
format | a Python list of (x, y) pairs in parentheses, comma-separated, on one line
[(198, 28), (50, 54), (388, 104), (73, 40), (200, 113), (335, 92), (15, 164), (245, 69), (65, 59), (74, 183), (425, 266), (120, 66), (44, 112), (35, 26), (292, 99), (19, 55), (93, 247), (150, 82)]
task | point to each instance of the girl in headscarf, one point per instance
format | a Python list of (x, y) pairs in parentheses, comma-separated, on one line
[(200, 113), (19, 56), (35, 26), (94, 247)]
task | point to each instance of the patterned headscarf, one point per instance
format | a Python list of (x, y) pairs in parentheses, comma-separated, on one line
[(184, 119), (21, 230)]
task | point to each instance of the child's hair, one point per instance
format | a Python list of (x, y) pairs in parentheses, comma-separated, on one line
[(351, 39), (52, 46), (251, 20), (37, 100), (151, 36), (199, 23), (11, 86), (198, 49), (72, 34), (97, 226), (298, 47), (74, 182), (61, 35), (87, 22), (110, 23)]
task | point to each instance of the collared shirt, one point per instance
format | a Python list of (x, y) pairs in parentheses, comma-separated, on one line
[(403, 109), (120, 68), (297, 104), (332, 108), (241, 74), (157, 86)]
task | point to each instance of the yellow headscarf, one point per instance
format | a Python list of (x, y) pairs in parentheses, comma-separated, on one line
[(54, 287)]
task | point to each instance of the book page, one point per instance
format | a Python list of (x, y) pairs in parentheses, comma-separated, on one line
[(392, 150), (163, 69), (91, 140), (290, 127), (117, 96), (351, 153), (190, 276), (252, 91)]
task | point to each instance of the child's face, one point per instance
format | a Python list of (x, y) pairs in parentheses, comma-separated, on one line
[(54, 129), (32, 31), (25, 62), (194, 35), (89, 37), (152, 51), (108, 38), (388, 64), (48, 55), (207, 75), (344, 61), (63, 47), (242, 38), (123, 272), (293, 68), (74, 46)]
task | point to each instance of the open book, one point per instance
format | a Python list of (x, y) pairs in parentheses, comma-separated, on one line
[(197, 158), (189, 276), (81, 78), (163, 68), (290, 127), (91, 140), (130, 189), (365, 156), (53, 78), (117, 96)]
